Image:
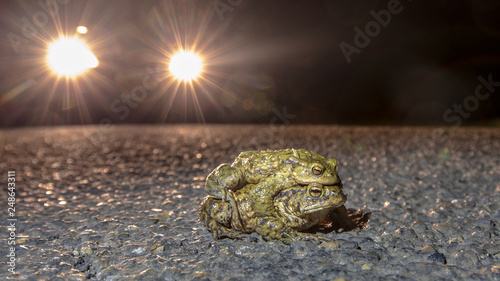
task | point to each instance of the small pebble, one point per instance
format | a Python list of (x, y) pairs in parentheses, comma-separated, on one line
[(86, 250), (139, 251), (367, 266), (437, 257), (330, 246)]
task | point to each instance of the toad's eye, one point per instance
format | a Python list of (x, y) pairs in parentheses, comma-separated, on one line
[(317, 170), (315, 191)]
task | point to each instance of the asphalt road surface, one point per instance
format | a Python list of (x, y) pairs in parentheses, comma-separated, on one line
[(122, 204)]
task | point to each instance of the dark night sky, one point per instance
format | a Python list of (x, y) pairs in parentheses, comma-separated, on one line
[(418, 67)]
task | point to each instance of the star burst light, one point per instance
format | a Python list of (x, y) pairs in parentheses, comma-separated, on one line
[(185, 66), (70, 57), (53, 78), (194, 60)]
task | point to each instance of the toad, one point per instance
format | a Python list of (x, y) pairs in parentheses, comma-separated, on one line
[(297, 208), (269, 172)]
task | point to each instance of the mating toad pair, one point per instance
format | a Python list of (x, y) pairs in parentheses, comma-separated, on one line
[(276, 193)]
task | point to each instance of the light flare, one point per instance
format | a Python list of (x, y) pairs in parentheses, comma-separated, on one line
[(186, 66), (70, 57), (82, 29)]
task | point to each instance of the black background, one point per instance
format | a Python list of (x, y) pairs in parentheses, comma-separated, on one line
[(261, 58)]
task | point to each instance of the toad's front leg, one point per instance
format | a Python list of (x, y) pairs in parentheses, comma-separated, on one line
[(343, 217), (263, 193)]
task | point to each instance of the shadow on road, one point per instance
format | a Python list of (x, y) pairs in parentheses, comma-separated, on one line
[(336, 221)]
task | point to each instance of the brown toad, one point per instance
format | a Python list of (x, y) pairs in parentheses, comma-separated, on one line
[(269, 172), (297, 208)]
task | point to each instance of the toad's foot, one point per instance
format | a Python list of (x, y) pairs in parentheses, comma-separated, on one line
[(219, 231), (273, 229), (299, 236)]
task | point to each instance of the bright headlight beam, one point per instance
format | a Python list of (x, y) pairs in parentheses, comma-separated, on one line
[(185, 66), (70, 57)]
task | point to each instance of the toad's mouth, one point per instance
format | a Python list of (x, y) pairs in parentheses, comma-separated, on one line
[(313, 209), (326, 181)]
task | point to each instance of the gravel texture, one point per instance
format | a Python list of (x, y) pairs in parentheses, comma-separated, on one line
[(122, 204)]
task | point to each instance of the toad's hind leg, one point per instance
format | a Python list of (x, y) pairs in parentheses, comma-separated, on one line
[(216, 216), (221, 183), (223, 179)]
